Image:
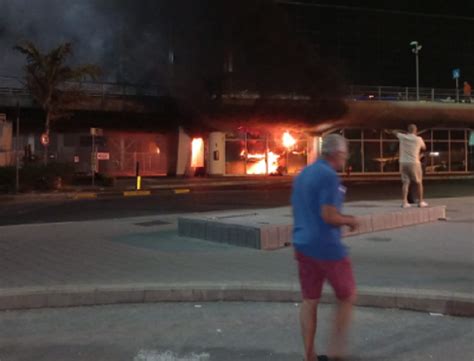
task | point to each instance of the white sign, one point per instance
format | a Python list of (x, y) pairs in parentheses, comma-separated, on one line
[(103, 156)]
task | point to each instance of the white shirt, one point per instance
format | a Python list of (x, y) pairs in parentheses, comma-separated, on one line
[(410, 147)]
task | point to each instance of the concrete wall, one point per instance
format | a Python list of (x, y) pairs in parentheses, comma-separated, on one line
[(183, 166), (216, 155), (6, 141), (313, 148)]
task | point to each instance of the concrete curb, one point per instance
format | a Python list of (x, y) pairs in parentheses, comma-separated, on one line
[(454, 304)]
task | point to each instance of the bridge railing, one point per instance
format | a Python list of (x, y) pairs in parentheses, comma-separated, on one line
[(15, 87), (391, 93)]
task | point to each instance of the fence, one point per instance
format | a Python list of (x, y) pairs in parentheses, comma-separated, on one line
[(14, 87), (392, 93)]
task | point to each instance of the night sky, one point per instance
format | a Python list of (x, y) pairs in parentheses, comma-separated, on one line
[(131, 39), (372, 47)]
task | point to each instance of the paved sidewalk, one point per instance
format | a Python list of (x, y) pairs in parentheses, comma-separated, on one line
[(223, 332), (426, 264)]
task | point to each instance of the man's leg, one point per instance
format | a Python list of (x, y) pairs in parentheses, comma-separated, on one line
[(311, 280), (420, 192), (341, 278), (419, 183), (308, 319), (405, 184), (405, 188), (342, 322)]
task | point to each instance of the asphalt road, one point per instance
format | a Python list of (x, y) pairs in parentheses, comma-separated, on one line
[(203, 199), (223, 332)]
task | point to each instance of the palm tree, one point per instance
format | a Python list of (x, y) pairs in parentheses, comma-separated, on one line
[(47, 78)]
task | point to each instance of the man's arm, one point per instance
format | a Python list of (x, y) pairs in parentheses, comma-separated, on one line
[(332, 216), (394, 132), (422, 144)]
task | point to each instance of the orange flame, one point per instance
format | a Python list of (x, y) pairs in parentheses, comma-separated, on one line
[(288, 140), (197, 153), (260, 166)]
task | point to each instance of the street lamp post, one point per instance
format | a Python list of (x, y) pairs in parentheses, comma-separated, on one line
[(416, 49)]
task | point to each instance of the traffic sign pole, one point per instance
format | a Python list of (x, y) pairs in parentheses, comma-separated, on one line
[(456, 76), (93, 159), (457, 90)]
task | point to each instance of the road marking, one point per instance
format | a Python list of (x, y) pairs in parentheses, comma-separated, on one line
[(153, 355), (85, 195), (181, 191), (136, 193)]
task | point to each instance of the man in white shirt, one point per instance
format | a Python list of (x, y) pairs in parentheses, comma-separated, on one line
[(410, 165)]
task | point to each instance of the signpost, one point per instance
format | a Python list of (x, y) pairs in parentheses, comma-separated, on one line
[(17, 149), (103, 156), (95, 132), (456, 76)]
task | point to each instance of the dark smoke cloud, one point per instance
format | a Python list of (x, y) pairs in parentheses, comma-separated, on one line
[(113, 34)]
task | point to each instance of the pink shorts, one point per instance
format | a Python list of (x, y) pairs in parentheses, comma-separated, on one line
[(313, 273)]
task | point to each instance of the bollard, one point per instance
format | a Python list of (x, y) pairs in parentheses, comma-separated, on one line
[(139, 178)]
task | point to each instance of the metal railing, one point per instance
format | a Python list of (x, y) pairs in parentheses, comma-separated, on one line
[(391, 93), (12, 86), (15, 87)]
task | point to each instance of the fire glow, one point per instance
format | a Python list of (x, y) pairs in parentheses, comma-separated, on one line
[(288, 140), (197, 153), (260, 164), (257, 162)]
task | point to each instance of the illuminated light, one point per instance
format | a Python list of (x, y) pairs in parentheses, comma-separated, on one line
[(260, 166), (434, 154), (288, 140), (158, 151), (197, 153)]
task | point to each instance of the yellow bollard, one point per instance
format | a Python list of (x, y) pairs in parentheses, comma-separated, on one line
[(139, 183)]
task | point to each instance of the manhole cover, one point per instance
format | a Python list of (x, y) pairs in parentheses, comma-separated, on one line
[(379, 239), (152, 223)]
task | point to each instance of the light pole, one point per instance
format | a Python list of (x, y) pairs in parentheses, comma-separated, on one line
[(416, 49)]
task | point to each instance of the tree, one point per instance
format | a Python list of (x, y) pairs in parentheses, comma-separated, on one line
[(48, 78)]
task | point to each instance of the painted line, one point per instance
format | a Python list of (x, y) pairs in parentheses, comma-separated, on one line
[(85, 195), (136, 193), (181, 191)]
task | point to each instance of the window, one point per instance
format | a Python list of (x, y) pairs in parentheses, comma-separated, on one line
[(235, 163), (372, 159), (440, 134), (373, 134), (355, 156), (458, 157), (440, 157), (390, 156), (458, 135), (352, 133)]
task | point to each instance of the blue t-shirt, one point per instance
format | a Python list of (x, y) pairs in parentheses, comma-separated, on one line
[(317, 185)]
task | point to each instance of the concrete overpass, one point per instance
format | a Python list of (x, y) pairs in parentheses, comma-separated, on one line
[(368, 106)]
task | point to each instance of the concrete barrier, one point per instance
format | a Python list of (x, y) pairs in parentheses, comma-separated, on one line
[(268, 230)]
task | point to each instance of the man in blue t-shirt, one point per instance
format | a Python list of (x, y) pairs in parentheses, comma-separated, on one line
[(317, 203)]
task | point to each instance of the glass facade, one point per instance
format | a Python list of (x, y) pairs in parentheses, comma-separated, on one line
[(371, 151), (374, 151), (249, 153)]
